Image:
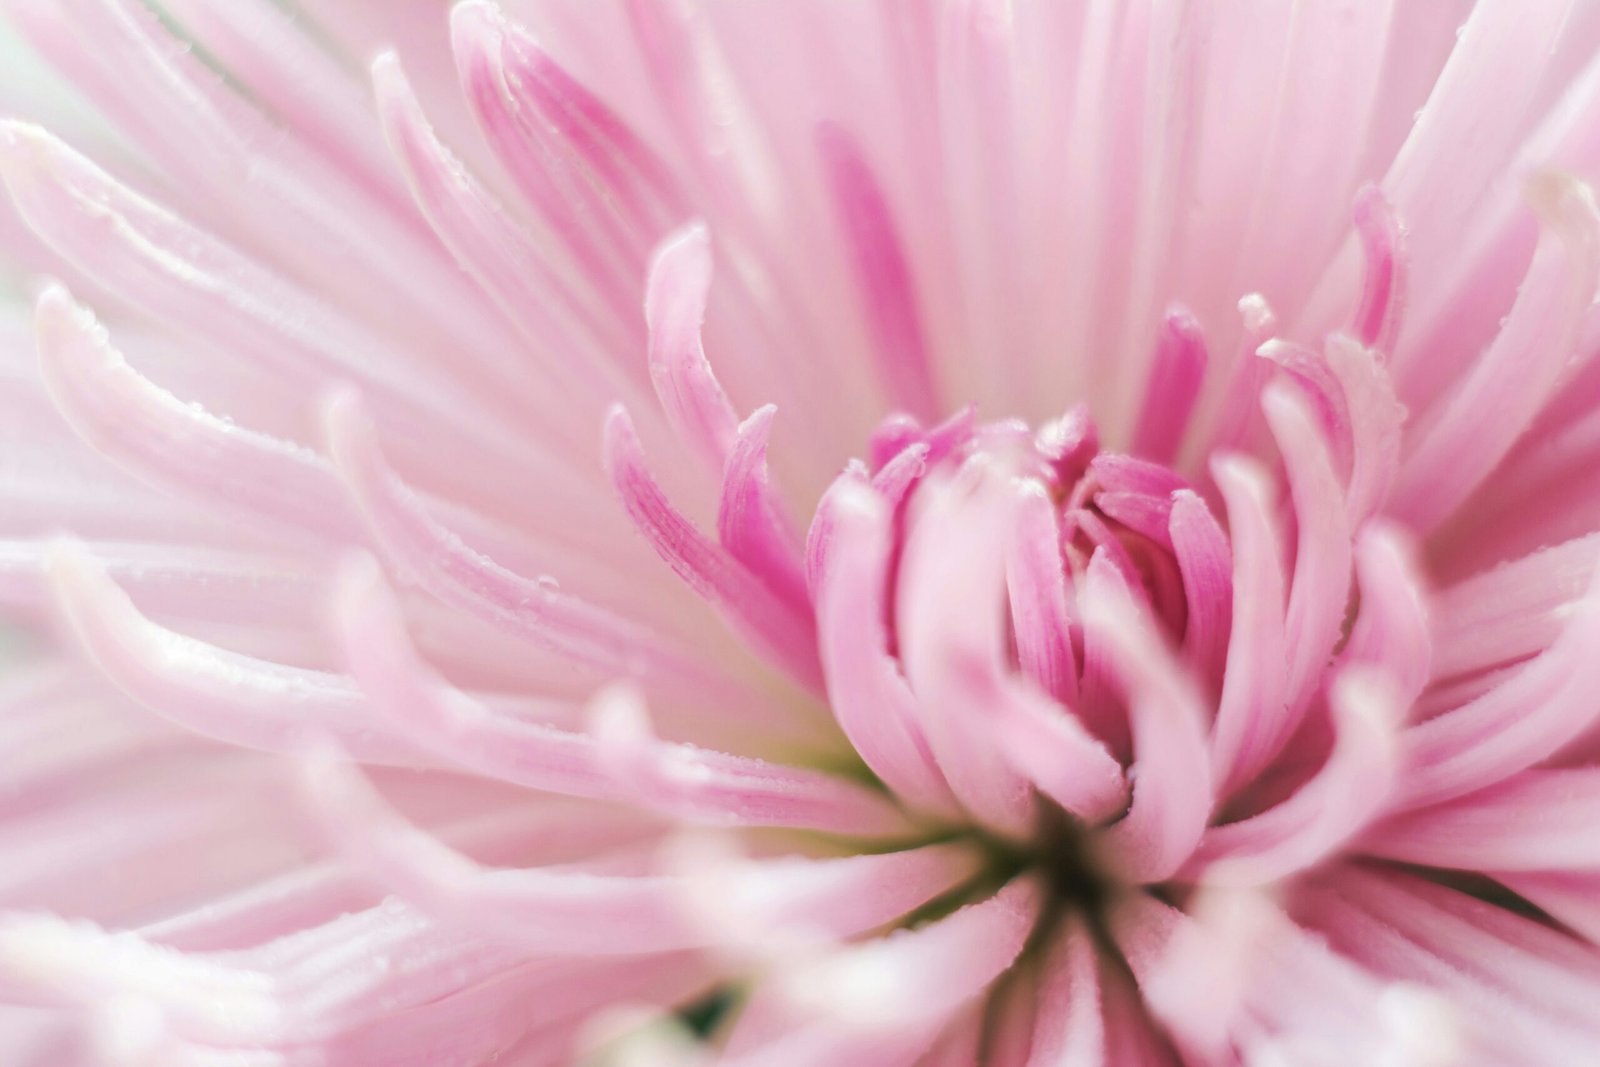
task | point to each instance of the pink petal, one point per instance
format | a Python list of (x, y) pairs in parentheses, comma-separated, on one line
[(753, 521), (1254, 684), (887, 285), (1171, 775), (209, 690), (674, 309), (784, 632), (564, 912), (1324, 814), (870, 698), (1176, 375), (1488, 411)]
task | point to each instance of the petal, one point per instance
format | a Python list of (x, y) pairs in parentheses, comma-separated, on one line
[(681, 781), (884, 278), (437, 559), (210, 690), (1538, 820), (1346, 793), (870, 698), (1254, 685), (674, 310), (158, 436), (1391, 631), (1455, 448), (784, 632), (1176, 376), (1171, 774), (1206, 562), (1542, 706), (753, 521), (1383, 289), (563, 912), (889, 996)]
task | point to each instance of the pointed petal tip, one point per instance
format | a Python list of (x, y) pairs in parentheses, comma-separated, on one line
[(386, 67), (1561, 199), (1179, 320), (759, 420), (680, 273), (18, 141), (618, 435), (347, 428), (1237, 467), (399, 111), (1372, 203), (476, 23), (55, 303), (618, 712)]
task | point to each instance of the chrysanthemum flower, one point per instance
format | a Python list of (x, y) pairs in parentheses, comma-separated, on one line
[(900, 532)]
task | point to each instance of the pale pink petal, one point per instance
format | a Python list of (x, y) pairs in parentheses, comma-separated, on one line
[(1542, 706), (674, 309), (565, 912), (1486, 413), (207, 689)]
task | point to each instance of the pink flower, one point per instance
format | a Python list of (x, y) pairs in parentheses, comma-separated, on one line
[(1128, 480)]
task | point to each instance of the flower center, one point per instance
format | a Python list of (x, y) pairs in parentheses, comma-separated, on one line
[(987, 596)]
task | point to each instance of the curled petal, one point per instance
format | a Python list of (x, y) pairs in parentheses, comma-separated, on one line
[(1541, 707), (492, 247), (210, 690), (681, 781), (1171, 774), (1326, 812), (1253, 688), (785, 632), (1311, 373), (1036, 586), (1490, 409), (1205, 561), (1383, 289), (674, 309), (169, 268), (752, 522), (441, 563), (567, 912), (869, 696), (592, 180), (1391, 632), (160, 437), (950, 618), (1376, 416), (1320, 589)]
